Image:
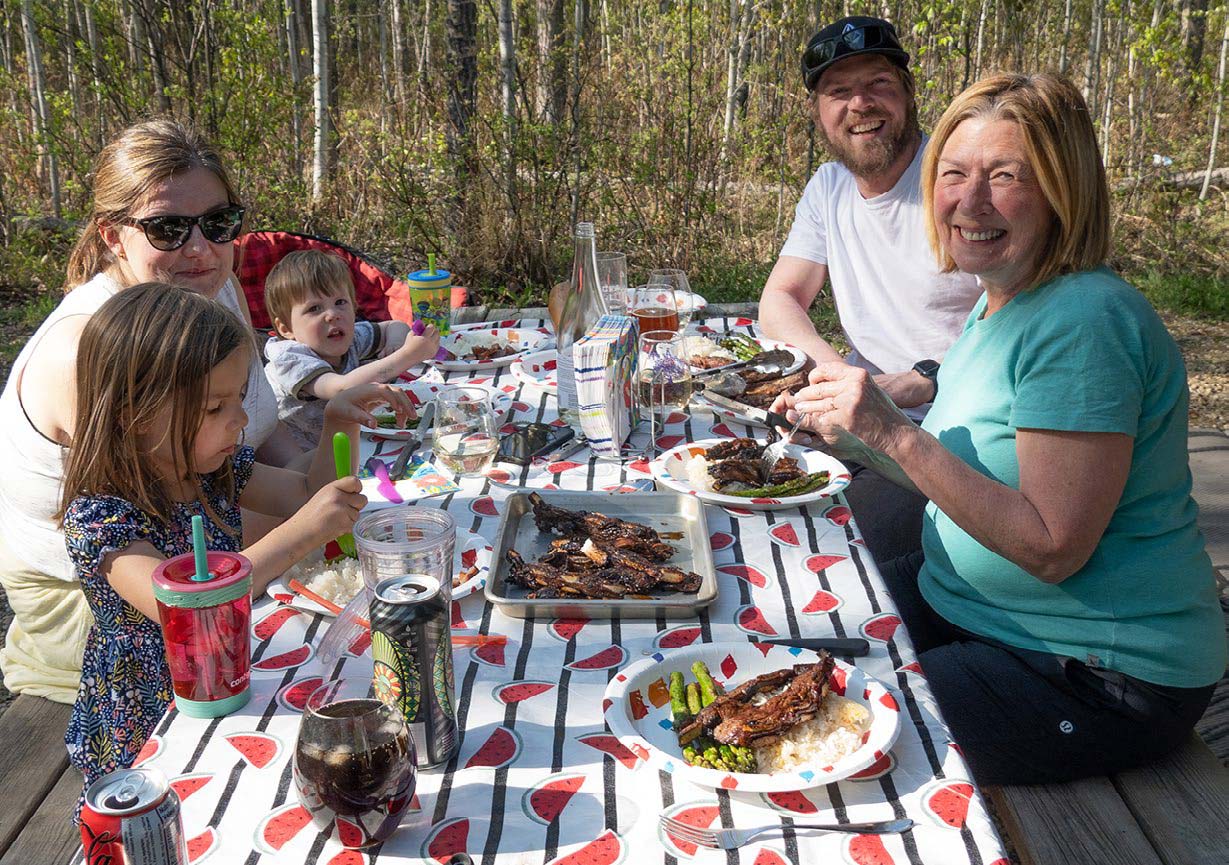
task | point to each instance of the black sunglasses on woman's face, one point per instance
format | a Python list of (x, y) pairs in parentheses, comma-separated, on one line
[(171, 232)]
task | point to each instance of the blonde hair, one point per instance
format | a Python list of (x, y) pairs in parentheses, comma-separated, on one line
[(303, 274), (1061, 147), (148, 348), (125, 172)]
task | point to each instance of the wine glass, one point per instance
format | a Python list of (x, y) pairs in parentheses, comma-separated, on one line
[(655, 308), (672, 277), (612, 280), (663, 377), (354, 762), (464, 438)]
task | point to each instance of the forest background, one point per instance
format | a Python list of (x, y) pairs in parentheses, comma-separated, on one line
[(484, 130)]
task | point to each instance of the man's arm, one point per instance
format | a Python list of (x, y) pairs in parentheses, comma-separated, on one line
[(791, 288)]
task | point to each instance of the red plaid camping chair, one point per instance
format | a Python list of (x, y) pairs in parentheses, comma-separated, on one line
[(257, 252)]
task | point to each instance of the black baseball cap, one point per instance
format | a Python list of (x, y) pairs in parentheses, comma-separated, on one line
[(857, 34)]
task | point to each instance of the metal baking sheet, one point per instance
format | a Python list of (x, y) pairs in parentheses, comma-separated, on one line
[(663, 511)]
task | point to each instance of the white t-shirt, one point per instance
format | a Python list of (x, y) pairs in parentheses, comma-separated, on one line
[(895, 307)]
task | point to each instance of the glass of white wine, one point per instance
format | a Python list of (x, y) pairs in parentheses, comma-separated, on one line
[(463, 435)]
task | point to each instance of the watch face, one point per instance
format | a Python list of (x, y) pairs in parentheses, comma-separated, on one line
[(928, 368)]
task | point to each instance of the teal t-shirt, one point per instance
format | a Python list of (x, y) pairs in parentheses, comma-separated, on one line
[(1085, 352)]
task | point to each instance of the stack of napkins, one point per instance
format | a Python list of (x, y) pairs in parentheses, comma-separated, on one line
[(605, 363)]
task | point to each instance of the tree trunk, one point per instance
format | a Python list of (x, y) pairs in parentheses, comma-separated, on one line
[(552, 84), (71, 31), (507, 79), (1092, 71), (38, 97), (981, 39), (742, 14), (578, 40), (1194, 26), (462, 25), (399, 53), (324, 131), (91, 36), (293, 58), (1220, 105), (1062, 55)]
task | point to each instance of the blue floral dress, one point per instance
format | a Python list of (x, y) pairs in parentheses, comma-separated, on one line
[(125, 682)]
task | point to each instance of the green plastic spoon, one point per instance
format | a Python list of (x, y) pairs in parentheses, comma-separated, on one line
[(341, 460)]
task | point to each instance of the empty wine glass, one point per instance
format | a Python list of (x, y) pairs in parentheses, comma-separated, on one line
[(672, 277), (612, 280), (354, 762), (464, 437)]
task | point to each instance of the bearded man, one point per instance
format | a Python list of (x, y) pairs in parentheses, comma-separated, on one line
[(859, 224)]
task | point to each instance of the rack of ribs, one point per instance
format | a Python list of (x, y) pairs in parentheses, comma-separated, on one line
[(733, 719), (598, 557)]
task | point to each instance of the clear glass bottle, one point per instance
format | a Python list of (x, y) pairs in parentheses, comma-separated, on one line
[(582, 308)]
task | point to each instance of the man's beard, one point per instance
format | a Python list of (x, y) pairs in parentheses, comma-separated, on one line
[(871, 160)]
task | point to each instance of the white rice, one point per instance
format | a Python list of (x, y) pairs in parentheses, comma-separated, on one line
[(702, 346), (697, 474), (338, 581), (834, 733)]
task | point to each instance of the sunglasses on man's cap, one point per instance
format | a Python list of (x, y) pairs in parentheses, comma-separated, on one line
[(169, 232), (847, 37)]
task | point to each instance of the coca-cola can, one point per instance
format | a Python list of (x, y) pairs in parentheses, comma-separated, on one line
[(132, 817)]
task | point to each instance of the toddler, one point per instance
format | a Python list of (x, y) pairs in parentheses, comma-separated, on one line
[(322, 350)]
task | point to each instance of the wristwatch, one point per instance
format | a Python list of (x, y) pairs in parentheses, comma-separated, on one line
[(930, 370)]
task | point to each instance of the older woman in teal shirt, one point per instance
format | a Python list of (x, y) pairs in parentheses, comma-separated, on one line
[(1064, 606)]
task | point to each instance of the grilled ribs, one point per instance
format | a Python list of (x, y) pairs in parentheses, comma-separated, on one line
[(784, 469), (738, 470), (762, 393), (733, 720), (606, 532), (598, 557)]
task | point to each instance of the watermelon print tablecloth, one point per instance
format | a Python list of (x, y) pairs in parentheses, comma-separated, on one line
[(538, 778)]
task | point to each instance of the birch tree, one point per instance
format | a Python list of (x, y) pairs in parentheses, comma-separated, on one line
[(1220, 105), (38, 99), (324, 131), (552, 84)]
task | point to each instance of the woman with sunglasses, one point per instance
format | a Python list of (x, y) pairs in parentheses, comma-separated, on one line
[(164, 210)]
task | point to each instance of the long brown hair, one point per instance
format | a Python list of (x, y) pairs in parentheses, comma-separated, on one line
[(1061, 147), (125, 172), (149, 347)]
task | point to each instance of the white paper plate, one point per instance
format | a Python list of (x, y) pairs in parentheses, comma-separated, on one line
[(523, 339), (420, 393), (668, 470), (538, 370), (471, 548), (646, 728), (767, 344), (687, 302)]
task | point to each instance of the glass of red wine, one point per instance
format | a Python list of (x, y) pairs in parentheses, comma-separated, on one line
[(354, 762)]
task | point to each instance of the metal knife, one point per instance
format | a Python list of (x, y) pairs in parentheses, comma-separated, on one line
[(850, 647), (764, 416), (413, 443)]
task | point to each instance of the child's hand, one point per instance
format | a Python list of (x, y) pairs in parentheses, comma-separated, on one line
[(334, 509), (424, 346), (354, 404)]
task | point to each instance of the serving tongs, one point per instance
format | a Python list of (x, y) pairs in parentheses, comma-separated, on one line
[(772, 362)]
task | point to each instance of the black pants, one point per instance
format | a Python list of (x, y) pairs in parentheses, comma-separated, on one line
[(889, 516), (1023, 717)]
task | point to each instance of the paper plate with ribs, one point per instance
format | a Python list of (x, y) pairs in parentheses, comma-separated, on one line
[(755, 717), (749, 473)]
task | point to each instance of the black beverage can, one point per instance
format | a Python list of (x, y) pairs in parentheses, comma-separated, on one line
[(132, 816), (411, 644)]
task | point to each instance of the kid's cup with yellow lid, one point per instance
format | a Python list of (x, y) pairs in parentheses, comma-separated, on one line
[(431, 295)]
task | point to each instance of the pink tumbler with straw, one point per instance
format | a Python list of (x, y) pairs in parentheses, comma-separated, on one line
[(205, 626)]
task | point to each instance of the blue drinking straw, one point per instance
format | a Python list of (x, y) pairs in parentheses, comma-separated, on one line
[(198, 550)]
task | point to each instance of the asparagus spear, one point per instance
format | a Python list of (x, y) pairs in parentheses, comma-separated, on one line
[(740, 758), (796, 487)]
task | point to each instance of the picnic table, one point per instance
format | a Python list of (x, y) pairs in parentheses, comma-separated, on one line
[(239, 797), (234, 773)]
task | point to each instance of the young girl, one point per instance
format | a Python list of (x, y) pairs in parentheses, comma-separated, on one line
[(161, 375)]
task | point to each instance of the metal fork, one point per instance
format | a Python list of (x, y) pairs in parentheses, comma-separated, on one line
[(732, 839), (776, 450)]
